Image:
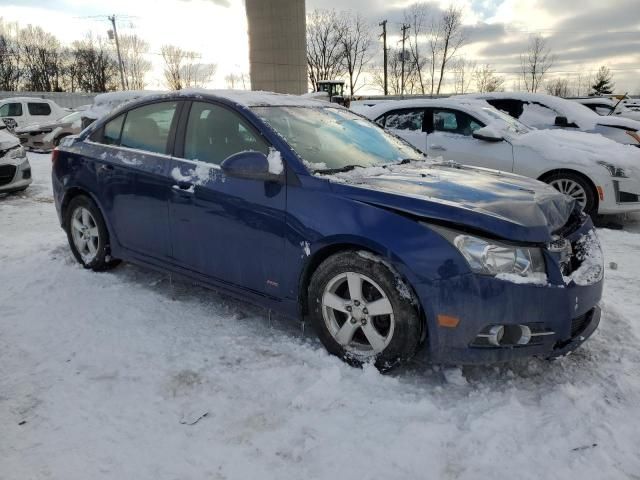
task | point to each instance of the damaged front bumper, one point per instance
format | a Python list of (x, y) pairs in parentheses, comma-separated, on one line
[(497, 320)]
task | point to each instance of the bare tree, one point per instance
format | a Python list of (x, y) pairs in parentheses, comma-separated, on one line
[(237, 81), (394, 75), (558, 87), (416, 17), (535, 63), (95, 67), (463, 71), (9, 56), (356, 48), (452, 38), (435, 48), (182, 68), (486, 80), (133, 50), (41, 56), (325, 50)]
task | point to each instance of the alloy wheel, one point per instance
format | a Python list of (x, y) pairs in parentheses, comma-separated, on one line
[(84, 231), (570, 188), (358, 314)]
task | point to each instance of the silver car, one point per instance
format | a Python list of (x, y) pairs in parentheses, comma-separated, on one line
[(47, 135), (15, 170)]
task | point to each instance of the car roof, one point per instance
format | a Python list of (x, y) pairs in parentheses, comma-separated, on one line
[(385, 106), (26, 99)]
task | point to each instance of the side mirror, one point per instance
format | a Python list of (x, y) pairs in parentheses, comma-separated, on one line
[(252, 166), (487, 134), (561, 121)]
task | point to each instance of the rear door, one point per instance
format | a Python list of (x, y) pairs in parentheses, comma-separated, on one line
[(450, 137), (407, 123), (133, 176), (230, 229), (38, 112)]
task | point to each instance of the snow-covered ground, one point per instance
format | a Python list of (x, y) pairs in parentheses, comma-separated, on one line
[(101, 376)]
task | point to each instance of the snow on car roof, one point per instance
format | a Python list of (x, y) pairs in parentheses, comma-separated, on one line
[(250, 98), (384, 106)]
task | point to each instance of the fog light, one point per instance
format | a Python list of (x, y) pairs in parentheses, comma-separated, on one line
[(495, 335)]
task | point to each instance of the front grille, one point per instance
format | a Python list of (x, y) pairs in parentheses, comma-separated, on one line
[(7, 172), (579, 324)]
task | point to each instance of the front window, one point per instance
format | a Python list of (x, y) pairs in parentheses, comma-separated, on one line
[(333, 138), (508, 122), (11, 110), (214, 133), (454, 121)]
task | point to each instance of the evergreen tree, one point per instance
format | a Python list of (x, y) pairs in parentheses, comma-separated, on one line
[(603, 82)]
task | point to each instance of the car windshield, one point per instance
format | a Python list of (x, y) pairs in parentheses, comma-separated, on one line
[(329, 138), (72, 117), (508, 122)]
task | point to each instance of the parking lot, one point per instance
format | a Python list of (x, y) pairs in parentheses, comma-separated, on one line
[(126, 375)]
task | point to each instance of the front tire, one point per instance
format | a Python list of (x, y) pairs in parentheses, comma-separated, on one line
[(87, 234), (363, 312), (577, 187)]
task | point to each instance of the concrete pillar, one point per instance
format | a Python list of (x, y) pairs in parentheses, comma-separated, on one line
[(277, 45)]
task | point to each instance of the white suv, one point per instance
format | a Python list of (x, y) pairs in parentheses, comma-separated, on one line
[(602, 175), (24, 111)]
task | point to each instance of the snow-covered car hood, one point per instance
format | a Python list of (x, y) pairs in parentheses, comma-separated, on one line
[(7, 140), (581, 148), (617, 121), (37, 127), (508, 206)]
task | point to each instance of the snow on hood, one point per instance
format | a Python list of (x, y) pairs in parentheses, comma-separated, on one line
[(505, 205), (7, 140), (580, 148)]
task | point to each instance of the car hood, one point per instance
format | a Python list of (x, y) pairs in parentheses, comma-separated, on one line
[(37, 127), (7, 140), (500, 204)]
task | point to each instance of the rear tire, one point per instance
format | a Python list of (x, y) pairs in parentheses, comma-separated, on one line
[(88, 235), (577, 187), (363, 312)]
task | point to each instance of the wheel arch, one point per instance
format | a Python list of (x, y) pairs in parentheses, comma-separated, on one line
[(321, 254), (73, 192), (591, 183)]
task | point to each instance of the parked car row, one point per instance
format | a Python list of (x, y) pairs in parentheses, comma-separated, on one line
[(601, 175), (315, 212)]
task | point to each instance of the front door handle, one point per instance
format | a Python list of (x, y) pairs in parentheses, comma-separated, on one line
[(437, 147), (105, 167)]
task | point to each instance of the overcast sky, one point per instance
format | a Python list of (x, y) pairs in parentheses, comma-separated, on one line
[(583, 34)]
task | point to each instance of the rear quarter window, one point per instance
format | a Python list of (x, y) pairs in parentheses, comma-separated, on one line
[(39, 108)]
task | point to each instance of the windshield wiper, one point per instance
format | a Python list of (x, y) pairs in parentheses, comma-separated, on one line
[(346, 168)]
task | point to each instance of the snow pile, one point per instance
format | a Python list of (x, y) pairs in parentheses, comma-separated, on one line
[(101, 375), (275, 161), (580, 148), (589, 253), (250, 98), (530, 279), (106, 102), (200, 174)]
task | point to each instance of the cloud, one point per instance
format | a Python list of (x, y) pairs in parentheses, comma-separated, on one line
[(222, 3)]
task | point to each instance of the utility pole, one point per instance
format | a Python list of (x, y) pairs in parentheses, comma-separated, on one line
[(112, 18), (405, 27), (383, 24)]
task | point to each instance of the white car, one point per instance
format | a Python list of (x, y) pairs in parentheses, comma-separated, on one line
[(602, 175), (25, 111), (546, 111), (15, 170), (606, 107)]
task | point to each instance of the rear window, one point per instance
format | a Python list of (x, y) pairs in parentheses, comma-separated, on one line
[(11, 110), (147, 128), (39, 108)]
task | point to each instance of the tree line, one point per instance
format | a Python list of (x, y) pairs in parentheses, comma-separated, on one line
[(430, 54)]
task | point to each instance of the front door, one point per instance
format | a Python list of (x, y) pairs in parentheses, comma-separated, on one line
[(450, 137), (230, 229)]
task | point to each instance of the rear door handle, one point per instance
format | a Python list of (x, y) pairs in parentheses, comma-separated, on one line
[(437, 147), (106, 167), (183, 186)]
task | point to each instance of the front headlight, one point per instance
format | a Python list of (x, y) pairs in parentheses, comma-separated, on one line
[(613, 170), (18, 152), (491, 257)]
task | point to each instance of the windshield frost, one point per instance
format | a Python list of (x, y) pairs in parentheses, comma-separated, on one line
[(333, 138)]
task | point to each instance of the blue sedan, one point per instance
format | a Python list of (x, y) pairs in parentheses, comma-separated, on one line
[(314, 212)]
